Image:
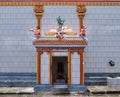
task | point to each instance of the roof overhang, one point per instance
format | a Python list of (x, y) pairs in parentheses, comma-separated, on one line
[(60, 2), (71, 42)]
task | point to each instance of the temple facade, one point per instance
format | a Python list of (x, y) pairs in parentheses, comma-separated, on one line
[(60, 43), (60, 60)]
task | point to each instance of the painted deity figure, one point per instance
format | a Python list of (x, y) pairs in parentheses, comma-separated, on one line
[(83, 31), (36, 32), (60, 30)]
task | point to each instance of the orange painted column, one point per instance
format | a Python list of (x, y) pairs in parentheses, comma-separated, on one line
[(51, 82), (38, 67), (39, 9), (82, 68), (81, 53), (81, 10), (69, 68)]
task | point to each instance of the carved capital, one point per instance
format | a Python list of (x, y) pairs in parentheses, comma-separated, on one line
[(49, 52), (39, 9), (38, 50), (81, 15), (80, 50), (81, 9)]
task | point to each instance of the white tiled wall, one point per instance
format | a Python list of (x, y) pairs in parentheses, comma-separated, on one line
[(75, 69), (103, 34), (60, 54), (51, 13), (44, 68), (17, 53)]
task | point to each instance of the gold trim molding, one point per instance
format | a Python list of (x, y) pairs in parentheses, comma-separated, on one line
[(59, 3)]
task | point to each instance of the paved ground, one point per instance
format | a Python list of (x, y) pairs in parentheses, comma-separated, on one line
[(95, 91), (17, 90), (103, 90), (58, 96)]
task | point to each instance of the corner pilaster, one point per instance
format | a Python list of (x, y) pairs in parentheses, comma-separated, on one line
[(81, 10), (39, 9), (38, 66)]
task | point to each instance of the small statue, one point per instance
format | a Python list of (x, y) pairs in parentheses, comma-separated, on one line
[(83, 31), (60, 21), (60, 30), (36, 32)]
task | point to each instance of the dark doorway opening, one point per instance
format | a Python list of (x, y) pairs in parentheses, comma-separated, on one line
[(60, 69)]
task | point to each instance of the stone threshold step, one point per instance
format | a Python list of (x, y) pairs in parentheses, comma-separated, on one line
[(106, 92), (103, 90)]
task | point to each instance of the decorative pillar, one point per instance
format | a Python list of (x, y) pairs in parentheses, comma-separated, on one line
[(50, 67), (51, 82), (69, 67), (81, 10), (39, 9), (38, 67), (81, 53)]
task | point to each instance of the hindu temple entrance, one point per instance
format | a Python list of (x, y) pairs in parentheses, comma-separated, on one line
[(60, 69), (60, 43)]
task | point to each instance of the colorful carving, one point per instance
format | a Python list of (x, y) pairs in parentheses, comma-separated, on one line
[(36, 32), (83, 31), (60, 31), (60, 21), (67, 31)]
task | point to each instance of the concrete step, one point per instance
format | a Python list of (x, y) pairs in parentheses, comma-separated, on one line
[(96, 83), (60, 89), (17, 77), (25, 80), (17, 80), (95, 80), (17, 84)]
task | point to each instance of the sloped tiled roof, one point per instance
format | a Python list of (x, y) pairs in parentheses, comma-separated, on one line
[(66, 42)]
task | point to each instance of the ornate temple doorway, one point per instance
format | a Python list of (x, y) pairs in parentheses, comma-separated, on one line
[(60, 69)]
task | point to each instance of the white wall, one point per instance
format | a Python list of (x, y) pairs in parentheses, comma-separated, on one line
[(75, 69), (60, 54), (44, 68), (103, 34), (51, 13), (17, 53)]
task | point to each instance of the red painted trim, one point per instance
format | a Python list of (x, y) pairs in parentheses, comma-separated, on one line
[(40, 42), (59, 0)]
